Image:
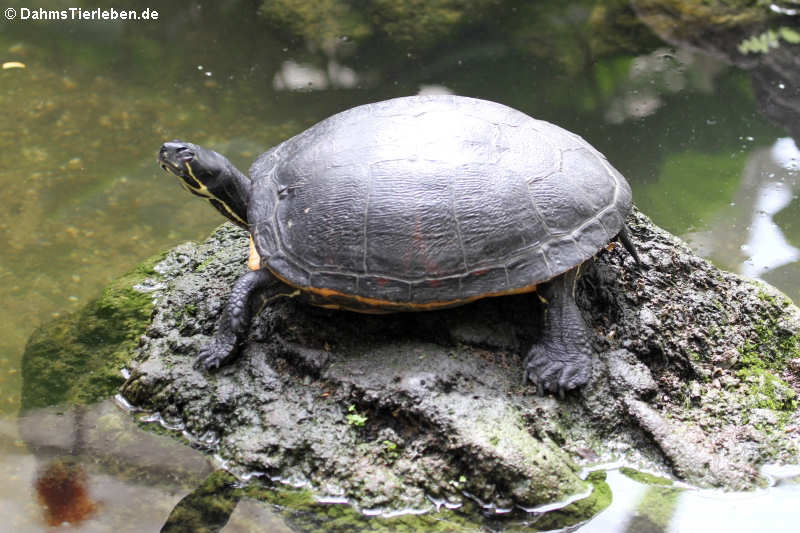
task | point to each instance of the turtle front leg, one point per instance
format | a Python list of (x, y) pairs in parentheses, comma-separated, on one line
[(561, 359), (248, 295)]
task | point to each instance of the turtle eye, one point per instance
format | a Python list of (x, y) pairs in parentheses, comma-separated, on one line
[(184, 154)]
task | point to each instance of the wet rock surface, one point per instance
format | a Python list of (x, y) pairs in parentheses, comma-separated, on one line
[(693, 373)]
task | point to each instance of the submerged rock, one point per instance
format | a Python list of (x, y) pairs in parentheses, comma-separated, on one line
[(692, 374)]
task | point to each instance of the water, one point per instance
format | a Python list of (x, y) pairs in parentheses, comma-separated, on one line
[(639, 507), (82, 200)]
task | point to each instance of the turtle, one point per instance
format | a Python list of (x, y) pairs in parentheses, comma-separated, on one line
[(419, 203)]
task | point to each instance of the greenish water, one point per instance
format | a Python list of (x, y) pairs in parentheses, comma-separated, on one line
[(83, 200)]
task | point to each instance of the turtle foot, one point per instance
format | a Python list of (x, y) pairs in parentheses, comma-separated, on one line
[(217, 352), (558, 368)]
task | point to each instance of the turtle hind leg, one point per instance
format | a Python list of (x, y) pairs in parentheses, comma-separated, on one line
[(561, 359), (247, 295)]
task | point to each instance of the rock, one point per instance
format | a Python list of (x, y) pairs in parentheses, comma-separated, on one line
[(628, 375), (687, 448), (413, 410), (319, 397)]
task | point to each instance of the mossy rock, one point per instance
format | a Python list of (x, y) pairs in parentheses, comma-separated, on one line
[(579, 510), (300, 509), (77, 358), (418, 24), (645, 478), (698, 16)]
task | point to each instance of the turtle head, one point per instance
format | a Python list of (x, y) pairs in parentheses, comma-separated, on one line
[(210, 175)]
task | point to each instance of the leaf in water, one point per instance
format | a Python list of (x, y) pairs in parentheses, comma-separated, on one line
[(769, 39), (789, 35)]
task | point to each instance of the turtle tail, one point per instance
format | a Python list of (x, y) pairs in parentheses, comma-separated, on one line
[(625, 238)]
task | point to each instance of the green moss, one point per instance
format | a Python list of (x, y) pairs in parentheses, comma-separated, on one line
[(644, 478), (77, 358), (316, 21), (764, 357), (771, 349), (580, 510), (424, 23), (576, 37), (767, 391), (418, 24), (390, 451), (699, 16), (293, 499), (300, 511), (210, 260), (765, 297), (607, 76), (789, 35)]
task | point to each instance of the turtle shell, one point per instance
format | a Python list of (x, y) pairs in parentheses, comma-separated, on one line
[(430, 201)]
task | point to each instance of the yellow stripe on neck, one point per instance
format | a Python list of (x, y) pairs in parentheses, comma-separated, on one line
[(203, 191)]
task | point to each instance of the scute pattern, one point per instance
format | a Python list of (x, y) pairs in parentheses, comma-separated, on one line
[(319, 220), (432, 199), (421, 239), (495, 215)]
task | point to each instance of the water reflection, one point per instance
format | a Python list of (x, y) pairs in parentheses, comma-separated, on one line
[(63, 492), (699, 511), (294, 76), (745, 236), (93, 469), (643, 508), (653, 77), (766, 246)]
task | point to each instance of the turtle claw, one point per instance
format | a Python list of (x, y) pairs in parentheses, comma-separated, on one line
[(558, 368), (215, 353)]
